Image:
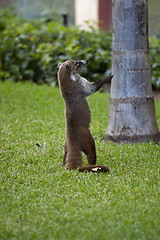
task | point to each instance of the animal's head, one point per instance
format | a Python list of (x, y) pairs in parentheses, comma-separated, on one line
[(73, 66)]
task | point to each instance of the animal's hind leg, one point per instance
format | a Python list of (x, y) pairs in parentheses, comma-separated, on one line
[(73, 158), (88, 147)]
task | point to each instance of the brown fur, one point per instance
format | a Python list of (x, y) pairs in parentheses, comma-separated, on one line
[(74, 90)]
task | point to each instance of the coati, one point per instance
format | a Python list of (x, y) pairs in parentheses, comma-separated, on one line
[(74, 90)]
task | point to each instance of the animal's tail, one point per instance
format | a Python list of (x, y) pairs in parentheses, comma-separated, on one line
[(94, 168)]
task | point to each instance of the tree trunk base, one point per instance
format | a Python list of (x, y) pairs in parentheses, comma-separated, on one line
[(131, 120), (133, 139)]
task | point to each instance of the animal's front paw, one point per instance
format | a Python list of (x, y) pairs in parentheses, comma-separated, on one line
[(107, 79)]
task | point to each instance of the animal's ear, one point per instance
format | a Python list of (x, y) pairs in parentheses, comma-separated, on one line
[(68, 67), (59, 64)]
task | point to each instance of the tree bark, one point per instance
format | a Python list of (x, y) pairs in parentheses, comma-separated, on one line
[(131, 109)]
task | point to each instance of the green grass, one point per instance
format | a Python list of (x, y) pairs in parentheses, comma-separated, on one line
[(41, 200)]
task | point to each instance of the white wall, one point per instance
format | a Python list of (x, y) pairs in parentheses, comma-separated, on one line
[(86, 10)]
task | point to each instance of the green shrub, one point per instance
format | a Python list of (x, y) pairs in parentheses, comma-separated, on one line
[(31, 49), (155, 61)]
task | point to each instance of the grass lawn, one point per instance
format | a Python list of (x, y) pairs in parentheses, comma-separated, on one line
[(41, 200)]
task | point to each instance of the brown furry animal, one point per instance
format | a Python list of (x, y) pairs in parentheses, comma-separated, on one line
[(74, 90)]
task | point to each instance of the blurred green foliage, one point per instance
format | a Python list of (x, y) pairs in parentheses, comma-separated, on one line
[(31, 49), (155, 61)]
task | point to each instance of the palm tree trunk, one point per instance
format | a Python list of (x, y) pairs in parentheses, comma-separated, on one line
[(131, 110)]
